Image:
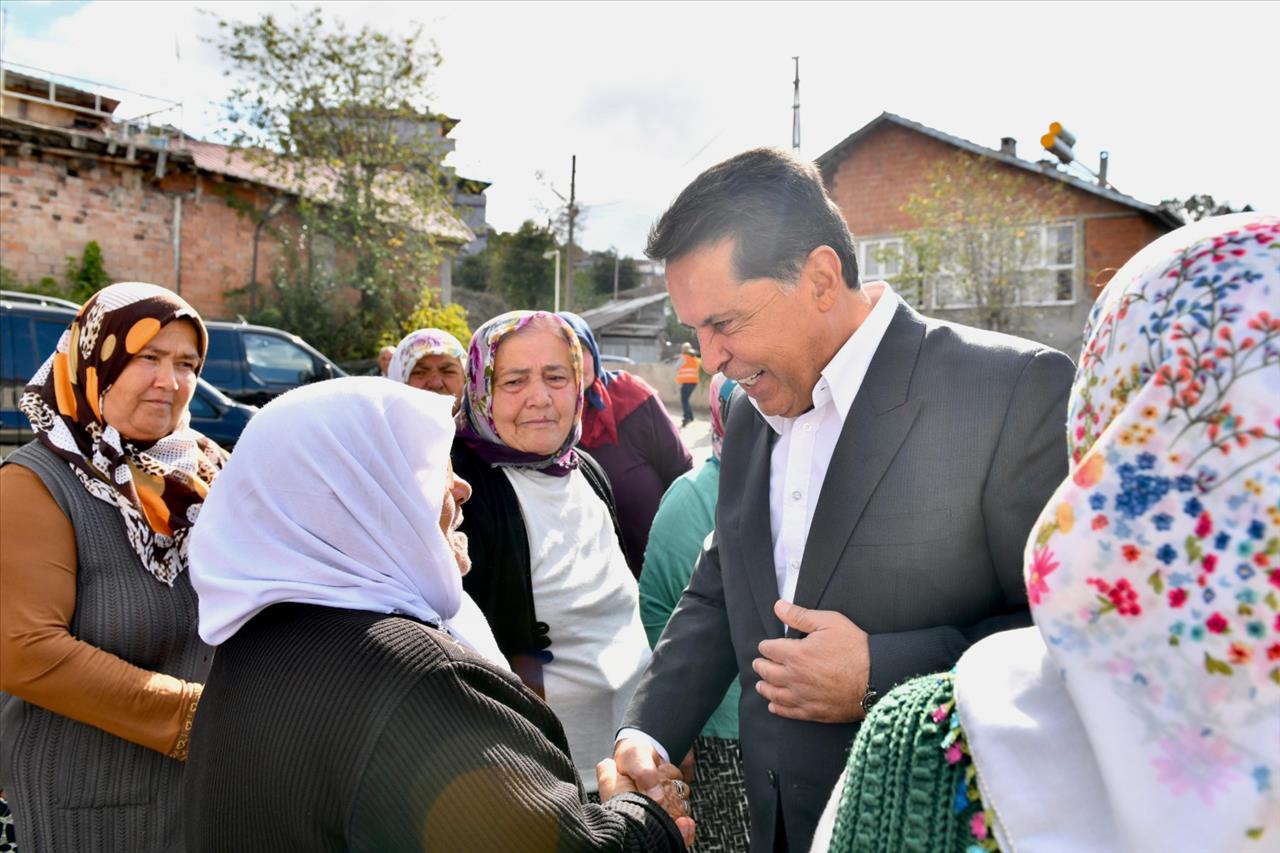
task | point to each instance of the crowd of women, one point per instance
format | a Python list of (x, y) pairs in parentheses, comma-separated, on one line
[(424, 602)]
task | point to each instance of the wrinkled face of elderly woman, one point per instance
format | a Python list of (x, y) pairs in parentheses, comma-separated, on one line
[(149, 398), (534, 393), (456, 492), (439, 373)]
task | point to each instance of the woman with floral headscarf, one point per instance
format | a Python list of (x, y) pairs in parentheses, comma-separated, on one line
[(549, 569), (431, 359), (100, 664), (1142, 712), (685, 517), (627, 430)]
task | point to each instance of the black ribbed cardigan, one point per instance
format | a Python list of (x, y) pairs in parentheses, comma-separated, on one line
[(337, 730)]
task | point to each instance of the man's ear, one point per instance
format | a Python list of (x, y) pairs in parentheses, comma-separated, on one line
[(823, 272)]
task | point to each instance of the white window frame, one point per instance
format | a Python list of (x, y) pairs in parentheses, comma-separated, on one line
[(866, 248), (1052, 268)]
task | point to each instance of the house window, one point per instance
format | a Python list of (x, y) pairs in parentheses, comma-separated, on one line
[(881, 259), (1048, 280), (1053, 281)]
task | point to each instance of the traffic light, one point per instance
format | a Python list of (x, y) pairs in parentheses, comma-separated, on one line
[(1058, 142)]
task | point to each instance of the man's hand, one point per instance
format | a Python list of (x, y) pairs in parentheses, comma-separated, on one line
[(672, 793), (820, 678)]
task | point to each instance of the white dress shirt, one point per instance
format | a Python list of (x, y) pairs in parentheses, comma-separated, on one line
[(800, 457)]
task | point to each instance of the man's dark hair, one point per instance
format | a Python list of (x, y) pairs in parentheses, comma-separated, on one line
[(771, 203)]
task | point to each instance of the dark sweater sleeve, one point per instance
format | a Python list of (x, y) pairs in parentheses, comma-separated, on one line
[(469, 761), (665, 450)]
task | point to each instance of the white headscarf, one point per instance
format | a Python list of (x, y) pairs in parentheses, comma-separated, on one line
[(1143, 710), (333, 497)]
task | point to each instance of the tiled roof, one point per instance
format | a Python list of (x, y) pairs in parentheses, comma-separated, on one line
[(614, 312), (317, 184)]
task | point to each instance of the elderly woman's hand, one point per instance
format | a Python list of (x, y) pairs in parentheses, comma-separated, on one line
[(672, 793)]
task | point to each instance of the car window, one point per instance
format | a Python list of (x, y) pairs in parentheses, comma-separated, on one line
[(276, 361), (48, 332), (220, 363), (19, 350), (200, 406)]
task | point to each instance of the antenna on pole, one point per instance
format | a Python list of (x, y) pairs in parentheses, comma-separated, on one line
[(795, 110)]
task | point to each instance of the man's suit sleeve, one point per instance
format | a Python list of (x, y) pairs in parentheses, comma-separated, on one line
[(1029, 463), (692, 664)]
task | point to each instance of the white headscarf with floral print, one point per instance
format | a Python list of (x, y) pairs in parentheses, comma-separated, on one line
[(1143, 711)]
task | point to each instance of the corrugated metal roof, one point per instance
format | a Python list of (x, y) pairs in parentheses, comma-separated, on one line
[(613, 312), (828, 161)]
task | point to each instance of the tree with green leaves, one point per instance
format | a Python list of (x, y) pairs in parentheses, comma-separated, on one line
[(602, 271), (518, 269), (338, 120), (978, 242), (1202, 206)]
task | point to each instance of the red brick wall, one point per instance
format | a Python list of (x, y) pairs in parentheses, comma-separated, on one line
[(883, 170), (51, 206), (1111, 242)]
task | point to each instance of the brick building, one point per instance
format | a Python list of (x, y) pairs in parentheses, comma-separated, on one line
[(164, 207), (874, 171)]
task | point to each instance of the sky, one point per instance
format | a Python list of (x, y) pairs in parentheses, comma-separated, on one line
[(649, 95)]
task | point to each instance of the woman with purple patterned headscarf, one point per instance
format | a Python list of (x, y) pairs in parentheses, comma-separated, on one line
[(549, 569), (430, 359)]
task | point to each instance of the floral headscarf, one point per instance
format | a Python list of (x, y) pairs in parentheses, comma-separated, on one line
[(419, 343), (158, 487), (1154, 571), (476, 425), (721, 391)]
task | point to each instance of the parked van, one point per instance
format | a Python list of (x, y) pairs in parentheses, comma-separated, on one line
[(30, 326), (253, 364)]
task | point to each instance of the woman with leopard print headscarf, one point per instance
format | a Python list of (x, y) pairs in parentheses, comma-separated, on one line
[(100, 663)]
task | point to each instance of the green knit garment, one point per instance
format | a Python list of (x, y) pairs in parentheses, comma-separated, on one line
[(910, 783)]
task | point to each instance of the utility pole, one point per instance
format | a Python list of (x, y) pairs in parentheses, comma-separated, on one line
[(568, 249), (616, 259), (795, 110)]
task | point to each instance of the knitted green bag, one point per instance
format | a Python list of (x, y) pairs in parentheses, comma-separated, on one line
[(910, 785)]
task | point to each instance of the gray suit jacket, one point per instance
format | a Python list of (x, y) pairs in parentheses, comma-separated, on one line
[(952, 447)]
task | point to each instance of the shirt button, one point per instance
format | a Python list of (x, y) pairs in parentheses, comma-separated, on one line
[(796, 495), (808, 427), (793, 564)]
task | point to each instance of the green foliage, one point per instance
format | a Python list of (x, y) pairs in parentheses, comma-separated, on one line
[(86, 275), (472, 272), (340, 119), (1202, 206), (518, 270), (978, 233), (603, 268), (433, 314)]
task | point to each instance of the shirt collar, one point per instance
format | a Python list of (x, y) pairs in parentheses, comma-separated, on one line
[(842, 377)]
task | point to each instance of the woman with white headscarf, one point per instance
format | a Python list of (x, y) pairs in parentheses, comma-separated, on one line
[(1142, 712), (358, 700)]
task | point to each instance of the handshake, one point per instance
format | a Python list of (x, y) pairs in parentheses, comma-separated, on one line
[(638, 768)]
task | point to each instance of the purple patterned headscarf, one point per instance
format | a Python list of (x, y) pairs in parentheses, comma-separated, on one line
[(475, 422)]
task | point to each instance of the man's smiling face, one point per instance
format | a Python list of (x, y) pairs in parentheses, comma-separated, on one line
[(751, 331)]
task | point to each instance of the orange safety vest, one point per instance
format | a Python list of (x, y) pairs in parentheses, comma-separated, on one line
[(687, 373)]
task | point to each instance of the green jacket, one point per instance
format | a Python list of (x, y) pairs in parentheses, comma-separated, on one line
[(685, 516)]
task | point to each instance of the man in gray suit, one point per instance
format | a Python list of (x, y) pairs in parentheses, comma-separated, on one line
[(874, 498)]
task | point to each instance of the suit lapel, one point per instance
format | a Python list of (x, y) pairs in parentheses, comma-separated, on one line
[(878, 423), (755, 538)]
